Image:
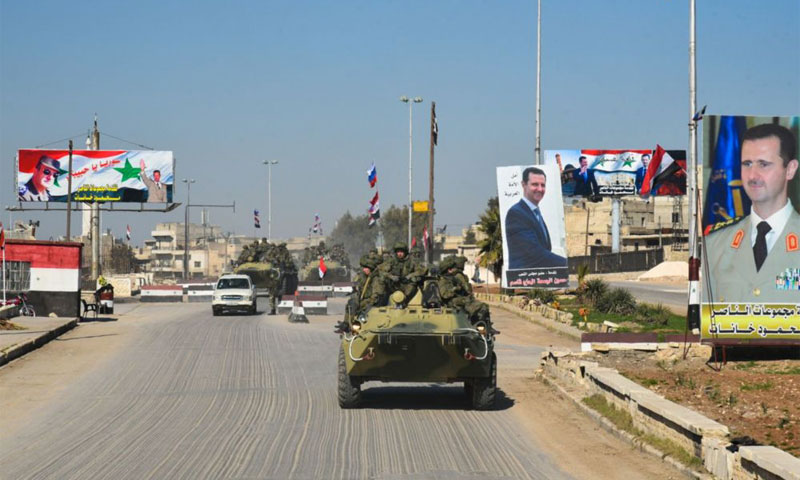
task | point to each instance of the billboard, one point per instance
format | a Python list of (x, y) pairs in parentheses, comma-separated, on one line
[(97, 176), (751, 227), (532, 224), (589, 173)]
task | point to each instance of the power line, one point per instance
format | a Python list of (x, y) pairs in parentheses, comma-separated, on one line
[(127, 141), (59, 141)]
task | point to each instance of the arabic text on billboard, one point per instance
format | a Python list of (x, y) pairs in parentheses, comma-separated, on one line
[(589, 173), (751, 227), (532, 224), (97, 176)]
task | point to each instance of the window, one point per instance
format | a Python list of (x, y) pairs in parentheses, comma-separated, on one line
[(197, 264), (18, 276)]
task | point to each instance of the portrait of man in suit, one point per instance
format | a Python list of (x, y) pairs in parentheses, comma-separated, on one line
[(528, 238)]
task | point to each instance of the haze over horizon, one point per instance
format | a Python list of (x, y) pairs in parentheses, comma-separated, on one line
[(316, 86)]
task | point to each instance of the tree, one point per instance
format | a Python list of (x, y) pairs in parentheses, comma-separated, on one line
[(469, 237), (491, 247), (355, 236), (122, 259), (395, 226)]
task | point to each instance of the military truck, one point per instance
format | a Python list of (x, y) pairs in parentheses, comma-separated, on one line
[(422, 342), (272, 269)]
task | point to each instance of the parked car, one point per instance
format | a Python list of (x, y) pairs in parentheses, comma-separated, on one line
[(234, 293)]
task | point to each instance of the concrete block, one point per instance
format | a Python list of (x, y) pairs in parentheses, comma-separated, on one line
[(679, 415), (772, 460), (614, 381), (717, 459)]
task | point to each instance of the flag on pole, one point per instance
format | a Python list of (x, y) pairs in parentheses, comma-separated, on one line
[(661, 167), (322, 268), (128, 233), (317, 228), (425, 238), (374, 215), (256, 219), (372, 176), (698, 115), (434, 126), (374, 200), (413, 242), (2, 237)]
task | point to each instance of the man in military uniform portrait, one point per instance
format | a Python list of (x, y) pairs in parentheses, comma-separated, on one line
[(44, 174), (746, 257)]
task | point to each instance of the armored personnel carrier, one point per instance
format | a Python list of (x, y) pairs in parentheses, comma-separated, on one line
[(272, 269), (336, 272), (422, 342)]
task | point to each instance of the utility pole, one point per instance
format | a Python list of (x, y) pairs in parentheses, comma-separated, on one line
[(186, 227), (426, 247), (269, 164), (96, 267), (69, 195)]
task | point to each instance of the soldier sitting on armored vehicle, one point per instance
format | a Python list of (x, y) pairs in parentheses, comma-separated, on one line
[(403, 273), (456, 292)]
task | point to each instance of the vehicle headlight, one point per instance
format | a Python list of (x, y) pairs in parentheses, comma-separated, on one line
[(362, 319)]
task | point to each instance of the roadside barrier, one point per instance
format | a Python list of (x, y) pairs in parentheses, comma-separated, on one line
[(162, 293), (200, 292), (312, 304)]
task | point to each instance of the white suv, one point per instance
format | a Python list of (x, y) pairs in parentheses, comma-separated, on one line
[(234, 292)]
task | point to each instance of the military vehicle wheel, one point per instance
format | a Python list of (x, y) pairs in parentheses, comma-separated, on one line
[(484, 390), (253, 309), (349, 391), (215, 312)]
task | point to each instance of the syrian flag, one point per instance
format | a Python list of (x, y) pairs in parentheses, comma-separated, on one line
[(425, 238), (2, 237), (661, 166), (317, 228), (372, 176), (322, 268), (256, 219), (434, 125), (374, 200), (374, 215), (128, 233)]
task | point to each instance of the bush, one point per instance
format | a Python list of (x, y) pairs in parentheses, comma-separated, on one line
[(648, 314), (617, 301), (543, 295), (593, 289)]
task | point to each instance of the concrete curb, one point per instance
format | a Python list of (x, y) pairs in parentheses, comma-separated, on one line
[(534, 317), (21, 349)]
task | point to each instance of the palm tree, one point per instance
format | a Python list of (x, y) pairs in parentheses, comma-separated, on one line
[(491, 247)]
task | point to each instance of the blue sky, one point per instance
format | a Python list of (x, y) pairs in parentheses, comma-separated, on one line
[(316, 85)]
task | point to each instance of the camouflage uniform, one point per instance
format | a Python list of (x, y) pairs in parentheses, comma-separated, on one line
[(456, 292), (403, 274)]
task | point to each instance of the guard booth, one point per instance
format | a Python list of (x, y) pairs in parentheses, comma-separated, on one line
[(49, 272)]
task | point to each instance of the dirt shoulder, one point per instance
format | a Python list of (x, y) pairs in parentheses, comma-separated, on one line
[(756, 399), (578, 444)]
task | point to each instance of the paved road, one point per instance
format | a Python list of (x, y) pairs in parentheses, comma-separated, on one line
[(675, 297), (195, 396)]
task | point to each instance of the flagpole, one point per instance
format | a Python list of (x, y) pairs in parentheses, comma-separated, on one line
[(539, 83), (428, 250), (693, 312)]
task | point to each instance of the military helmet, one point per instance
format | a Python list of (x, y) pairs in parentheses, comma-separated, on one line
[(400, 246), (459, 262), (446, 264), (367, 261)]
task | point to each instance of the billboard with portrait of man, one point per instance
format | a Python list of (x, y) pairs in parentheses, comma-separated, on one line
[(532, 224), (97, 176), (751, 226), (621, 172)]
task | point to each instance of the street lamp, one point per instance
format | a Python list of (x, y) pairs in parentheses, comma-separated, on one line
[(269, 164), (410, 102), (186, 228)]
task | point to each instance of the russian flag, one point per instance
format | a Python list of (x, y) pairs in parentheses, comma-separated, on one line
[(372, 176)]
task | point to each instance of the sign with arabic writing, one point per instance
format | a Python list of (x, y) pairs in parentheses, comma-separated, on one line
[(532, 223), (751, 276), (587, 173), (97, 176)]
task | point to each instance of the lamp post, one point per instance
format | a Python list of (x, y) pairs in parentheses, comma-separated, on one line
[(410, 102), (186, 228), (269, 164)]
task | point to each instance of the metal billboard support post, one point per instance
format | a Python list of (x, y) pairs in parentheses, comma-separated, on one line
[(615, 224), (539, 83), (693, 312), (69, 195)]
